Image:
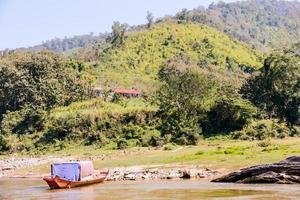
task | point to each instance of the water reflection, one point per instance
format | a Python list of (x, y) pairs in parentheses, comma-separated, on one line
[(164, 190)]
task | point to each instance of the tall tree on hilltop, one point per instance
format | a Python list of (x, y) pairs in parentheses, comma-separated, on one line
[(183, 16), (150, 19), (118, 34)]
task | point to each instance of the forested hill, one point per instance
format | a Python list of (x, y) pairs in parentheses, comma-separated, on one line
[(140, 54), (264, 24), (67, 43), (196, 81)]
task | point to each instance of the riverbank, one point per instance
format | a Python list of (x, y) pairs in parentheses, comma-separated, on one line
[(16, 168), (220, 156)]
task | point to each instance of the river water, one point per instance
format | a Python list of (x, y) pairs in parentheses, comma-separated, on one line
[(162, 190)]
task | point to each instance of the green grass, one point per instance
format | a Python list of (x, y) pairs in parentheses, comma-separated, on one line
[(212, 154), (98, 107)]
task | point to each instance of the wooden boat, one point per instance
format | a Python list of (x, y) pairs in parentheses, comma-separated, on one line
[(60, 183)]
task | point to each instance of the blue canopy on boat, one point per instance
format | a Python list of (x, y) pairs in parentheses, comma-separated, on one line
[(68, 171)]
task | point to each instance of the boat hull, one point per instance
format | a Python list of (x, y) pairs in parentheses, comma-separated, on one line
[(58, 183)]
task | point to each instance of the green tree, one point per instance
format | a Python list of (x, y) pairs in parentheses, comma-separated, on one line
[(24, 121), (184, 98), (117, 36), (42, 79), (183, 16), (276, 90), (229, 114), (260, 23)]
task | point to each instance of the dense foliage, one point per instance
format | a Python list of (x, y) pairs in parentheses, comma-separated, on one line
[(41, 79), (276, 90), (196, 82), (197, 101), (184, 98), (264, 24), (263, 129), (68, 43), (229, 114), (143, 52), (93, 122)]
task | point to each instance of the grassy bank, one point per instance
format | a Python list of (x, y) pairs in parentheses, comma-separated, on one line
[(225, 155), (212, 154)]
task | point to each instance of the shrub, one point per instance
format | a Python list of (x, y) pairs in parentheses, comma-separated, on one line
[(188, 137), (70, 127), (122, 143), (169, 147), (25, 121), (295, 131), (156, 141), (264, 143), (3, 144), (20, 129), (96, 122), (13, 144), (199, 153), (229, 114), (97, 138), (151, 138), (263, 129)]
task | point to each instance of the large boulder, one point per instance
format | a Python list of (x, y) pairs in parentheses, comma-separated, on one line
[(286, 171), (291, 159)]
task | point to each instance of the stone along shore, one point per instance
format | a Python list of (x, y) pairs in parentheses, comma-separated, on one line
[(11, 167), (140, 173)]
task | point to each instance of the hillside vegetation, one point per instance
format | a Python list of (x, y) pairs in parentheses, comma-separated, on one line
[(197, 83), (96, 122), (65, 44), (265, 24), (140, 56)]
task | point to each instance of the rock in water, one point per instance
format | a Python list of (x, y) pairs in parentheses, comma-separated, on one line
[(291, 159), (286, 171)]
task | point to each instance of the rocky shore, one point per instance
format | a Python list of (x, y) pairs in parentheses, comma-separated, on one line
[(284, 172), (10, 167), (138, 173)]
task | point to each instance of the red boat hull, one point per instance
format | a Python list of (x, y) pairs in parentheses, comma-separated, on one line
[(58, 183)]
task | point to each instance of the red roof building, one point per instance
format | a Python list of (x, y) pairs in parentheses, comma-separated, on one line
[(128, 92)]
